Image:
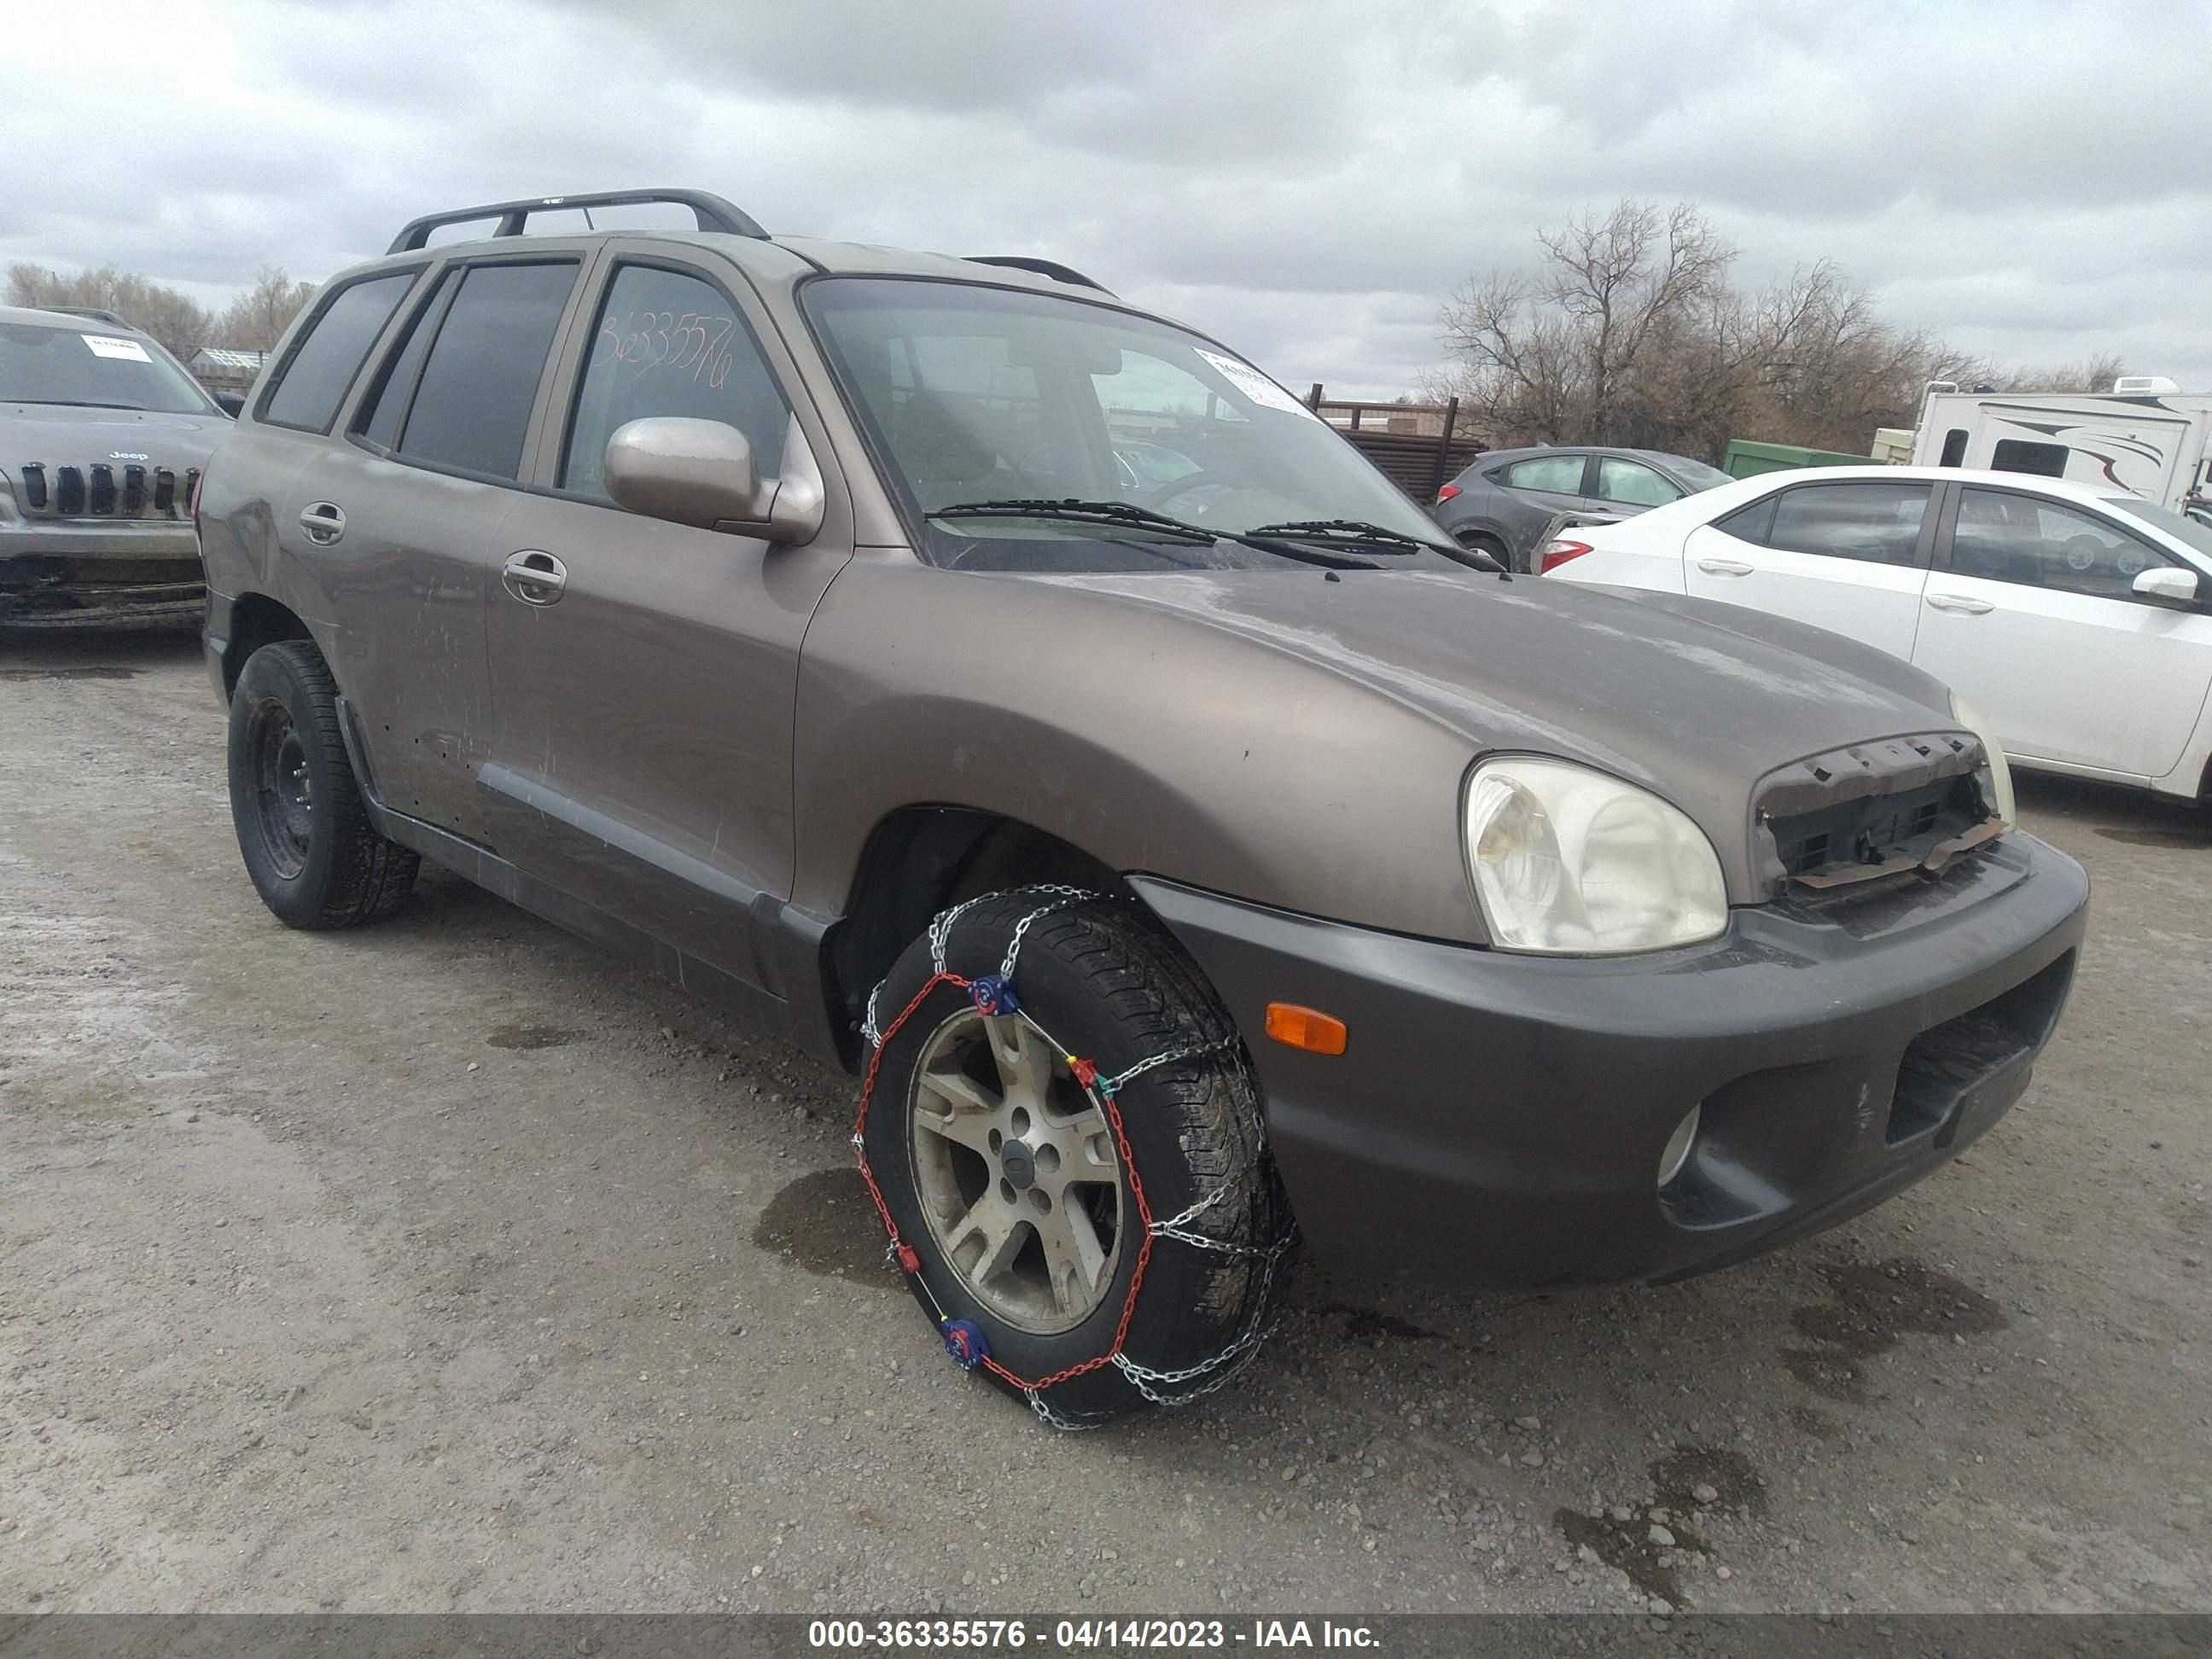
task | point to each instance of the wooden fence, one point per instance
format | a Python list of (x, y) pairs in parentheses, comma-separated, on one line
[(1418, 446)]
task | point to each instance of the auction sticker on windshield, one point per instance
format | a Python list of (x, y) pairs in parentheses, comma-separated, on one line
[(107, 345), (1254, 384)]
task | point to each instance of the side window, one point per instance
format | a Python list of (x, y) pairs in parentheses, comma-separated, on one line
[(380, 411), (312, 382), (471, 407), (1874, 523), (2018, 455), (1954, 447), (1560, 474), (669, 344), (2007, 537), (1633, 483)]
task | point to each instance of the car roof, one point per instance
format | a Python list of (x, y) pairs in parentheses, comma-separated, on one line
[(2064, 489), (66, 320)]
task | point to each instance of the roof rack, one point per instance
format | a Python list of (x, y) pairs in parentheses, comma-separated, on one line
[(711, 212), (1052, 267), (98, 314)]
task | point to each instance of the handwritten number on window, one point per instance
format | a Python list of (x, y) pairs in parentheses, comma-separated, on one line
[(645, 343)]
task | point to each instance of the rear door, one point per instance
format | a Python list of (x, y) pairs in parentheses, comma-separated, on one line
[(643, 748), (1850, 556), (1627, 486), (2030, 615), (402, 520), (1536, 489)]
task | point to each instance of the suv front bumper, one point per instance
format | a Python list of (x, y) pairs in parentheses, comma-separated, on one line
[(1500, 1119), (97, 573)]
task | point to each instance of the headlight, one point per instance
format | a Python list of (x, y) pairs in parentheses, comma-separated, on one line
[(1572, 862), (1996, 774)]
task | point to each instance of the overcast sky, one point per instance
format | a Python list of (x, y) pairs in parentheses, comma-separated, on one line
[(1306, 180)]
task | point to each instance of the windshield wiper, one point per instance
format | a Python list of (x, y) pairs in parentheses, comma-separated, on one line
[(1375, 538), (71, 403), (1143, 518)]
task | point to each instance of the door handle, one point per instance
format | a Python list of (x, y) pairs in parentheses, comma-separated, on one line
[(1960, 604), (533, 577), (324, 521), (1725, 567)]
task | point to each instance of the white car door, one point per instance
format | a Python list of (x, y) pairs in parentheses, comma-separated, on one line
[(2030, 617), (1849, 556)]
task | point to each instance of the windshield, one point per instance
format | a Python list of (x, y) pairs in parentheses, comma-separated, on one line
[(2183, 529), (1696, 475), (976, 394), (40, 363)]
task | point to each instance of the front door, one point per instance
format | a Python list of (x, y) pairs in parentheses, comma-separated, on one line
[(1845, 556), (646, 686), (2032, 617)]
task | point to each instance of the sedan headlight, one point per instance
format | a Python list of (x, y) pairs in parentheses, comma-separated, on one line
[(1570, 862), (1996, 774)]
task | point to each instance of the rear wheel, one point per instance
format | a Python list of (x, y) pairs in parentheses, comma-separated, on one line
[(1076, 1163), (301, 829)]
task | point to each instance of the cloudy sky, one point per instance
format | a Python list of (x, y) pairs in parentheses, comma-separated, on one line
[(1307, 181)]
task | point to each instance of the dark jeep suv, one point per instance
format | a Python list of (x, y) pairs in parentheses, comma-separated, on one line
[(1023, 701)]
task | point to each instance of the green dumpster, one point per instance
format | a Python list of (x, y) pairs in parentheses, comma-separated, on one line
[(1746, 459)]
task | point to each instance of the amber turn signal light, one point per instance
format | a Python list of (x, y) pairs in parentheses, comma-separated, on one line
[(1305, 1027)]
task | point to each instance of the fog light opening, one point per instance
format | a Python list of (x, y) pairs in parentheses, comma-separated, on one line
[(1677, 1151)]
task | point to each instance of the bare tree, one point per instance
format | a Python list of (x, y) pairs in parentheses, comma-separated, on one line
[(161, 312), (255, 320), (1629, 331), (1559, 354)]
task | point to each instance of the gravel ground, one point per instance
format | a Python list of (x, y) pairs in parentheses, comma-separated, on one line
[(449, 1265)]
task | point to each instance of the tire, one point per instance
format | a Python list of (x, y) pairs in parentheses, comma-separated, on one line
[(1108, 986), (301, 827)]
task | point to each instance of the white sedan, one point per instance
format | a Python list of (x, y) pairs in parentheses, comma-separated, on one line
[(2080, 620)]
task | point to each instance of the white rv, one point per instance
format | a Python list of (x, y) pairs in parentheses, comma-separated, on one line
[(2146, 436)]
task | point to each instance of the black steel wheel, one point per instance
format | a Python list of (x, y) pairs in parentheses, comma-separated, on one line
[(302, 831)]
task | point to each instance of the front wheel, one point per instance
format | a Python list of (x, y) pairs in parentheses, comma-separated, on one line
[(302, 830), (1067, 1144)]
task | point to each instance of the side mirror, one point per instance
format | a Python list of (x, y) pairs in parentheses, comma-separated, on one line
[(702, 472), (2166, 582), (230, 403)]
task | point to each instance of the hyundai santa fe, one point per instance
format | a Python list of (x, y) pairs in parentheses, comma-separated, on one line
[(1021, 700)]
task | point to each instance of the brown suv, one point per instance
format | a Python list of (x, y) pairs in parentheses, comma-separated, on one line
[(1023, 701)]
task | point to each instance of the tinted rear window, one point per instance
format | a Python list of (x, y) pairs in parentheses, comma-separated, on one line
[(472, 408), (313, 382)]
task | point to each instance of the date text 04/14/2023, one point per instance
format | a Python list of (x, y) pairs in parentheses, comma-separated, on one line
[(1080, 1634)]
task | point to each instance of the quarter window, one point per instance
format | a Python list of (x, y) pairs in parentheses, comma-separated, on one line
[(669, 344), (2010, 537), (314, 380), (1562, 475), (1632, 484), (1954, 447), (1874, 523), (472, 406)]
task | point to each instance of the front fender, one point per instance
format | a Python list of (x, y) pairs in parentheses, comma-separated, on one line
[(1151, 741)]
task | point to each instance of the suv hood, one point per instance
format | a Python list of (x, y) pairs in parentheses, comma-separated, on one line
[(1695, 701), (66, 434)]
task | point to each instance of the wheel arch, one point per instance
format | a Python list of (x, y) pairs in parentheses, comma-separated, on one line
[(919, 858), (257, 619)]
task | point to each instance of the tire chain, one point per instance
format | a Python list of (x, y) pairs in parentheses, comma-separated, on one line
[(1150, 1382)]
